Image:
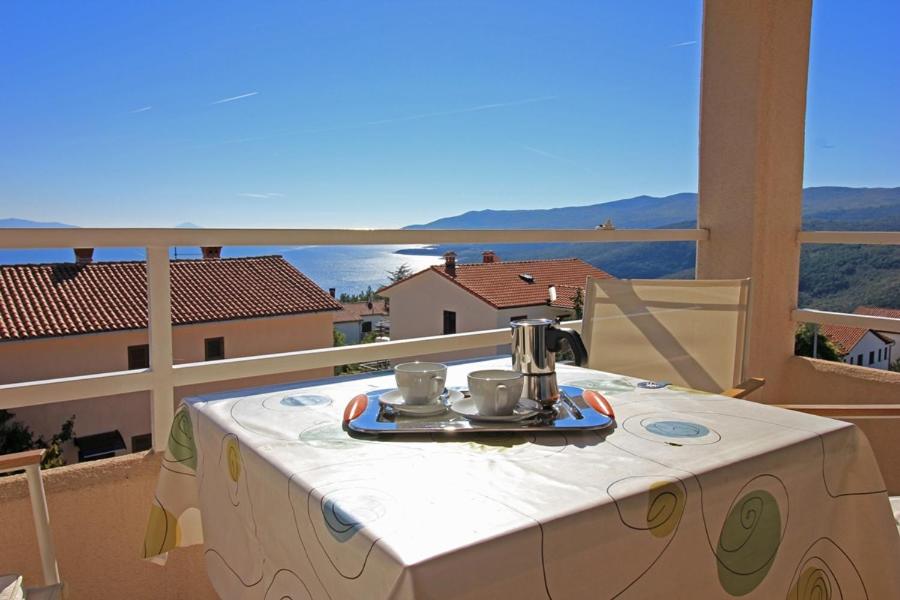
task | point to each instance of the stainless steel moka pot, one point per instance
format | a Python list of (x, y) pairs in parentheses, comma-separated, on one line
[(535, 343)]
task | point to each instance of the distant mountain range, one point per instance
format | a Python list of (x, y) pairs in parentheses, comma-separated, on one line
[(832, 277), (825, 203)]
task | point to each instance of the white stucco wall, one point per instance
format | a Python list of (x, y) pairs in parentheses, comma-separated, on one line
[(352, 330), (418, 305), (66, 356), (869, 343)]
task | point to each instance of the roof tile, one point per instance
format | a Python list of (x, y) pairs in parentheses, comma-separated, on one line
[(65, 298), (500, 285)]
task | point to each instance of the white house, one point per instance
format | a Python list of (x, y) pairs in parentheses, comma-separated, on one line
[(859, 346), (891, 313), (360, 318), (456, 298)]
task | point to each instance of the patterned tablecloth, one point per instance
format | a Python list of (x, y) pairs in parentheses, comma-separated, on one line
[(691, 495)]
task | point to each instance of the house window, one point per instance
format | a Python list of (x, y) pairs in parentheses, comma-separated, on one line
[(367, 326), (99, 445), (871, 357), (141, 442), (449, 322), (138, 357), (214, 348), (879, 355), (859, 358), (518, 318)]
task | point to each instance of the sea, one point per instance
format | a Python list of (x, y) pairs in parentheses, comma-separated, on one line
[(348, 269), (351, 269)]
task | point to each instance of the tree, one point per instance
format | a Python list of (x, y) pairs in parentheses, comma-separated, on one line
[(895, 366), (803, 344), (364, 296), (578, 303), (17, 437), (399, 274), (339, 339)]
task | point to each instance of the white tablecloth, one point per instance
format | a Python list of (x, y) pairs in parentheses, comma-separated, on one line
[(691, 495)]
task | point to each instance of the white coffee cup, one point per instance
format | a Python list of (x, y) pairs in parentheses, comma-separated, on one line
[(420, 382), (495, 392)]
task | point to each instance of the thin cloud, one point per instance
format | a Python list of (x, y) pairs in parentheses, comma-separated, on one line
[(233, 98), (358, 126), (140, 110), (261, 195), (544, 153), (460, 111), (680, 44)]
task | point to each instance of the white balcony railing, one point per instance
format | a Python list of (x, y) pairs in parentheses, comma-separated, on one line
[(163, 376), (821, 317)]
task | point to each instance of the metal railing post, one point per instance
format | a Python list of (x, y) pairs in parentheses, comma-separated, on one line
[(42, 523), (159, 300)]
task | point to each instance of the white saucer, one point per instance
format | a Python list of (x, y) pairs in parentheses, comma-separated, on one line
[(395, 400), (525, 409)]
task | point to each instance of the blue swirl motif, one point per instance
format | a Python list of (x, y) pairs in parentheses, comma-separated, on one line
[(677, 429), (306, 400), (348, 511)]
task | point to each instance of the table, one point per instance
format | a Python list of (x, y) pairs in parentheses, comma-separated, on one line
[(691, 495)]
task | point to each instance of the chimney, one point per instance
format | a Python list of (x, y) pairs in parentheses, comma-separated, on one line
[(450, 263), (332, 292), (488, 256), (211, 252), (551, 294), (84, 256)]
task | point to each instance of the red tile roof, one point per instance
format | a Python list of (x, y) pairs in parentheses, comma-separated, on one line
[(500, 285), (843, 337), (64, 299), (355, 311)]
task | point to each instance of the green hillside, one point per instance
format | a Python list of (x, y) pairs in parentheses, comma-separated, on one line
[(832, 277), (842, 277)]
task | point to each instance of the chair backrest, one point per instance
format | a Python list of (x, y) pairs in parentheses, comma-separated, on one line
[(686, 332)]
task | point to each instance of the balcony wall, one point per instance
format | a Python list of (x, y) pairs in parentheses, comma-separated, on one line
[(98, 512), (818, 382)]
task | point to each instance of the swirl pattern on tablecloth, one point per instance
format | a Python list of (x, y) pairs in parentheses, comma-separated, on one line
[(662, 507), (338, 515), (606, 386), (672, 428), (286, 585), (182, 450), (281, 402), (649, 506), (751, 534), (677, 429), (826, 573)]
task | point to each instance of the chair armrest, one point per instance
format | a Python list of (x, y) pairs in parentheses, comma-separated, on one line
[(20, 460), (743, 389)]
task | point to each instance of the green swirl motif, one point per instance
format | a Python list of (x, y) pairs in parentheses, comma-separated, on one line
[(665, 505), (608, 386), (748, 542), (181, 440), (813, 584)]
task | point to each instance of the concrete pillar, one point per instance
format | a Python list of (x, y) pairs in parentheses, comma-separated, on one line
[(752, 116)]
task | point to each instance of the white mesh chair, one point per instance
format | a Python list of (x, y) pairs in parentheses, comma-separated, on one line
[(30, 462), (686, 332)]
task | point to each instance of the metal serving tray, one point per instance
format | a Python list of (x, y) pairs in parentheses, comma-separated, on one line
[(581, 409)]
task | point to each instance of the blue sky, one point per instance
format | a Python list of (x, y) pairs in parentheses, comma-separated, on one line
[(309, 114)]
